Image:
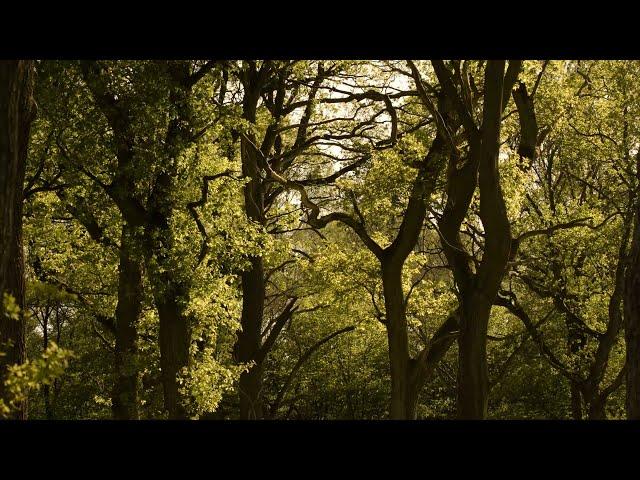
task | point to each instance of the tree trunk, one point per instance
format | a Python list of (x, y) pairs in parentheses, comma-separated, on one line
[(171, 286), (473, 377), (253, 292), (632, 321), (479, 292), (250, 387), (170, 292), (413, 391), (576, 341), (46, 391), (398, 343), (174, 351), (249, 338), (16, 113), (128, 310), (597, 409), (576, 402)]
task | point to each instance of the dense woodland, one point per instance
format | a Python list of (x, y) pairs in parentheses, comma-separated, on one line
[(319, 239)]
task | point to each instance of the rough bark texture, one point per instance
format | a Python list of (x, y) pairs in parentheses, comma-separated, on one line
[(128, 310), (46, 390), (171, 287), (253, 285), (576, 401), (632, 320), (473, 379), (407, 374), (170, 292), (249, 340), (16, 113), (398, 342), (477, 290)]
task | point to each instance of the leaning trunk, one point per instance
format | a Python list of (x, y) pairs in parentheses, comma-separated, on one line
[(16, 113)]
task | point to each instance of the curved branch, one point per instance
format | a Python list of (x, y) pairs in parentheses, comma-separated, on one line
[(204, 193), (300, 363)]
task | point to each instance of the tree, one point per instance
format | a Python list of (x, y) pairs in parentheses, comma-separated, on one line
[(632, 316), (320, 239), (17, 109)]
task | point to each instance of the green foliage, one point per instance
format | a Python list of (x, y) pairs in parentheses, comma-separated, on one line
[(584, 172), (32, 375), (10, 308)]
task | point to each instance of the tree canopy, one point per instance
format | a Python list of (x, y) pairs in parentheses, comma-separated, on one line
[(320, 239)]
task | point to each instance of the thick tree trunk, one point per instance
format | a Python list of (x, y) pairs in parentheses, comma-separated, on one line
[(409, 375), (597, 409), (249, 339), (480, 290), (16, 113), (46, 391), (174, 351), (398, 343), (171, 286), (250, 387), (413, 391), (170, 296), (170, 292), (632, 322), (473, 377), (253, 293), (128, 310), (576, 402)]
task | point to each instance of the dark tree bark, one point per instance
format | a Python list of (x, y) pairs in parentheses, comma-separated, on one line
[(407, 374), (124, 394), (632, 316), (249, 340), (588, 394), (576, 401), (124, 399), (17, 109), (170, 292), (477, 290), (170, 288), (250, 346), (473, 385), (46, 390)]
